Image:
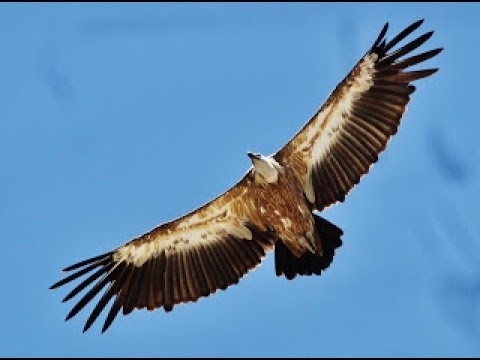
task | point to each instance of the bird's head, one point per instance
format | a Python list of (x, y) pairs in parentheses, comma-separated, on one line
[(265, 166)]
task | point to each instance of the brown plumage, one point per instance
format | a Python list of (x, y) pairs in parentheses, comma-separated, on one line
[(271, 207)]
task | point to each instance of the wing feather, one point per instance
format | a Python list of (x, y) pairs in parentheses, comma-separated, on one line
[(193, 292), (144, 291), (158, 289), (330, 154), (168, 288)]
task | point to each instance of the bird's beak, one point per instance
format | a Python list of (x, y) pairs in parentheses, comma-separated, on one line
[(253, 156)]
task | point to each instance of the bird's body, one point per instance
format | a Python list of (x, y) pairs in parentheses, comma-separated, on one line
[(272, 207)]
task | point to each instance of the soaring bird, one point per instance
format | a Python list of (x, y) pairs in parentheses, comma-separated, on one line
[(274, 206)]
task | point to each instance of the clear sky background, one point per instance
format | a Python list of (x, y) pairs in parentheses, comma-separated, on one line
[(115, 118)]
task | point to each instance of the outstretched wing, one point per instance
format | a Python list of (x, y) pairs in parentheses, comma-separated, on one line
[(339, 144), (208, 249)]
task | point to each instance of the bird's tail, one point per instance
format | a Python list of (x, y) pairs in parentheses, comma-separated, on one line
[(308, 264)]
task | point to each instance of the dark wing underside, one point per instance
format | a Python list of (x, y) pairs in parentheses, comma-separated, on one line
[(165, 280), (339, 144), (177, 262)]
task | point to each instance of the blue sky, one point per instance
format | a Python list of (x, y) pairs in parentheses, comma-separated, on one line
[(118, 117)]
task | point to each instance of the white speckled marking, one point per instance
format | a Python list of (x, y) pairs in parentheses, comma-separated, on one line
[(189, 233), (286, 222)]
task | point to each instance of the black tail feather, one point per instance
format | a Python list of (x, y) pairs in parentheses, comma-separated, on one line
[(308, 264)]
